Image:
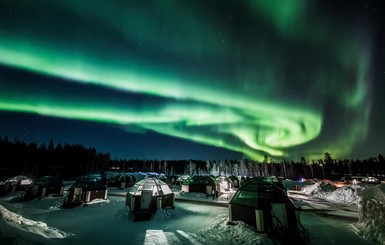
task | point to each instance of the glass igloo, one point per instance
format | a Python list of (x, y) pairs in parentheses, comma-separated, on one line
[(149, 194)]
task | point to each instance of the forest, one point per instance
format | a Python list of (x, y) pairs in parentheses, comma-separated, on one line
[(70, 161)]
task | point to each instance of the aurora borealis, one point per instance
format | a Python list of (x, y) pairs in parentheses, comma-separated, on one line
[(284, 78)]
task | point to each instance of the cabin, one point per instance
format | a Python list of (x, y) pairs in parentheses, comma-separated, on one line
[(121, 181), (179, 181), (236, 181), (14, 184), (171, 180), (225, 183), (149, 195), (264, 205), (202, 184), (42, 187), (85, 190)]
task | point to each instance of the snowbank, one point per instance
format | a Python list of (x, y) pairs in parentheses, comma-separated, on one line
[(370, 201), (319, 189), (348, 194), (35, 227), (372, 214)]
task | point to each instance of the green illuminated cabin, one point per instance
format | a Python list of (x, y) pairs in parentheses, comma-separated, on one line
[(263, 203)]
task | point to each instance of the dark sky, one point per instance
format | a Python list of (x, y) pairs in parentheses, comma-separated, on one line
[(180, 79)]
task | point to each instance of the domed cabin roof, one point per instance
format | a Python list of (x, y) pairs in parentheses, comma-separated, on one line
[(48, 181), (236, 180), (125, 177), (160, 176), (90, 183), (157, 186), (96, 177), (233, 178), (224, 179), (183, 177), (200, 180), (260, 192), (19, 180), (16, 183)]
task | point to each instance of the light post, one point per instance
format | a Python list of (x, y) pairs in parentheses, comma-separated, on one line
[(312, 173), (323, 172)]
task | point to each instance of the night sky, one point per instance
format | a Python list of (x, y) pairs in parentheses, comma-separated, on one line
[(197, 79)]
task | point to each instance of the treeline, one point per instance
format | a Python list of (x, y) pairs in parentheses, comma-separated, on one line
[(326, 168), (70, 161), (64, 161)]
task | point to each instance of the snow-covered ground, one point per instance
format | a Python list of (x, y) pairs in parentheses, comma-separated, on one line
[(332, 216)]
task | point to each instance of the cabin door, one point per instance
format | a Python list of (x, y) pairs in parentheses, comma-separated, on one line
[(145, 199), (209, 189), (279, 210)]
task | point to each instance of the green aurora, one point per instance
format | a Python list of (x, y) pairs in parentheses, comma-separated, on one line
[(255, 77)]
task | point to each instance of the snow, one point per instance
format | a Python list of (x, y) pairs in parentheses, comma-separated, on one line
[(29, 225), (360, 211), (348, 194), (372, 214)]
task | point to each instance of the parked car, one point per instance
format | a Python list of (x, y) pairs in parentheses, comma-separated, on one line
[(370, 180), (351, 179)]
